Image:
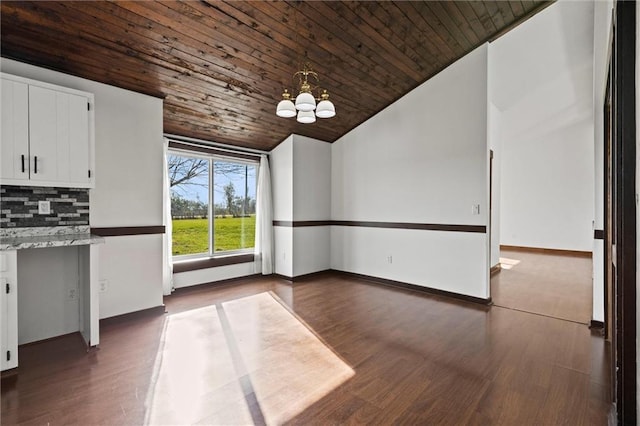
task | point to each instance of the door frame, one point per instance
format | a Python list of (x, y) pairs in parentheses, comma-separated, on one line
[(623, 86)]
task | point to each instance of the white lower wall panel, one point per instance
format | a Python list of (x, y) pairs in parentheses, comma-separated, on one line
[(203, 276), (312, 246), (45, 279), (283, 238), (450, 261), (132, 266)]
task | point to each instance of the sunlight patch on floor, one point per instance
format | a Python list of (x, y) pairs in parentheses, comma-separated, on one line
[(506, 263), (241, 362), (289, 366), (194, 374)]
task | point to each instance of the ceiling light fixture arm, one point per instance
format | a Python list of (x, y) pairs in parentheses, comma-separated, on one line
[(303, 79)]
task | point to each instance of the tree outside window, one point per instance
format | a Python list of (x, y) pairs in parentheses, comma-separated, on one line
[(213, 204)]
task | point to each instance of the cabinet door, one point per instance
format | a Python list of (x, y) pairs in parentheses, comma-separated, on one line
[(8, 310), (59, 137), (14, 146)]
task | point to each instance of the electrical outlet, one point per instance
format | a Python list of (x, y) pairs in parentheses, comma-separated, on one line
[(475, 209), (44, 207), (390, 259), (73, 293), (104, 286)]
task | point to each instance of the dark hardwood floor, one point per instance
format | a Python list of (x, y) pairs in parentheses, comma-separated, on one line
[(545, 283), (332, 350)]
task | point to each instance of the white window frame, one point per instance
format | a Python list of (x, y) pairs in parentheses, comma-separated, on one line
[(211, 253)]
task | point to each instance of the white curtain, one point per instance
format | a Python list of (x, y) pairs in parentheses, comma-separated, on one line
[(167, 273), (264, 220)]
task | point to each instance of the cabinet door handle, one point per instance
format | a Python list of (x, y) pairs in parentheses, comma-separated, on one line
[(22, 159), (35, 164)]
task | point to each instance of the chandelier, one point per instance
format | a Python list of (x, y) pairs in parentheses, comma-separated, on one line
[(305, 109)]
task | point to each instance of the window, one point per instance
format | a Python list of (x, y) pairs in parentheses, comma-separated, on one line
[(213, 204)]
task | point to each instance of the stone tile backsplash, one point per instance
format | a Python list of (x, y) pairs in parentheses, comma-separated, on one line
[(19, 206)]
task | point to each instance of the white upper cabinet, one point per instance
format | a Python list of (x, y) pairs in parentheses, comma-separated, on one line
[(59, 146), (14, 149), (59, 136)]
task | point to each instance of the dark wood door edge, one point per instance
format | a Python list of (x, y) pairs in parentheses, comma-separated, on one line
[(624, 116), (211, 262), (391, 225), (598, 234), (576, 253), (419, 288), (128, 230)]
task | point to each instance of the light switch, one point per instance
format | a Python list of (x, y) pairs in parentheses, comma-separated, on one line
[(44, 207), (475, 209)]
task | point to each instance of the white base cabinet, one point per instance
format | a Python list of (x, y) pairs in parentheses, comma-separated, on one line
[(9, 309), (31, 306)]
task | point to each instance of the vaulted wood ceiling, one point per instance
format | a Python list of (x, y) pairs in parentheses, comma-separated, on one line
[(221, 66)]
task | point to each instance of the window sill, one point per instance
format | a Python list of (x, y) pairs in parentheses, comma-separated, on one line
[(211, 262)]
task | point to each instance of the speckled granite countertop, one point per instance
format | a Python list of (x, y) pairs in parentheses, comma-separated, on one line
[(41, 237)]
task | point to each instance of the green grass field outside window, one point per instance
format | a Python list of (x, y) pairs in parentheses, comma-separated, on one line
[(190, 236)]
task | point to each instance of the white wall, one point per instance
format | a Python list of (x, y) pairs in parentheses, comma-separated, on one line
[(312, 245), (281, 162), (128, 192), (283, 247), (132, 267), (301, 182), (45, 277), (543, 71), (423, 159), (311, 179), (602, 35), (311, 201)]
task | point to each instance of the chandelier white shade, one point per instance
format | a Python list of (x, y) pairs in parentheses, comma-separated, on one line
[(306, 117), (305, 102), (286, 108), (325, 108)]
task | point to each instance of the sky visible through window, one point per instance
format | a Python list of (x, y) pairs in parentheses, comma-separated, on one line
[(197, 188)]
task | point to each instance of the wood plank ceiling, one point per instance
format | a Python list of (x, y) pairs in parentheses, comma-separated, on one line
[(221, 66)]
